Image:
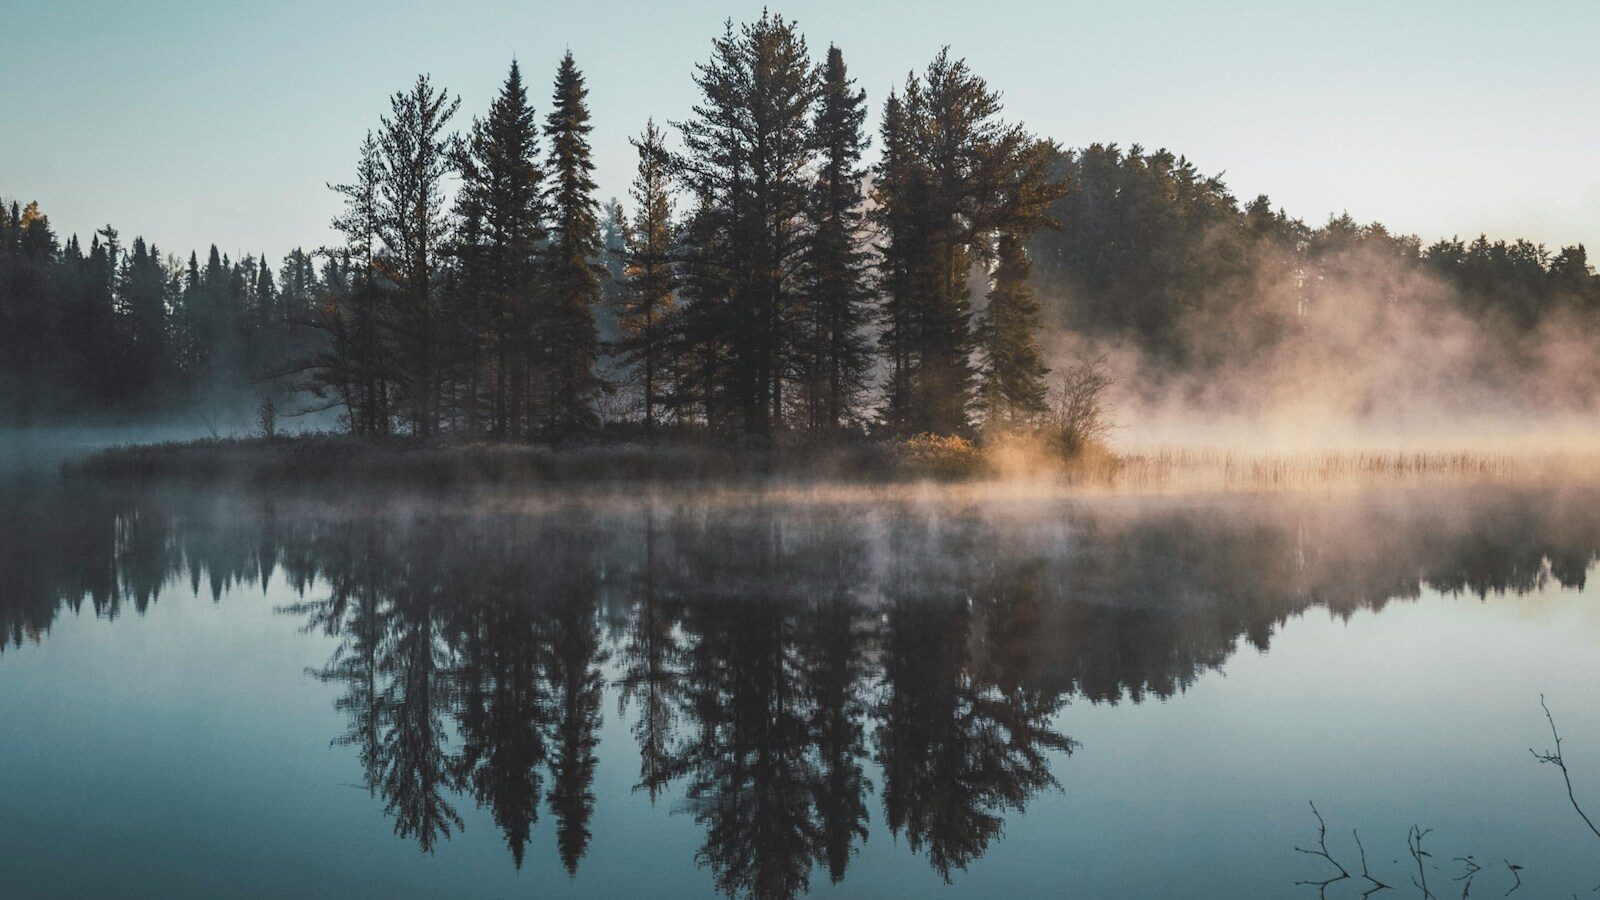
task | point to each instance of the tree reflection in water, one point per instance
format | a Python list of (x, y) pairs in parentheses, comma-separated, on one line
[(785, 669)]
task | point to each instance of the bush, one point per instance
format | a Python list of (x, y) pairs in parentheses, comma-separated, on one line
[(1078, 418), (933, 456)]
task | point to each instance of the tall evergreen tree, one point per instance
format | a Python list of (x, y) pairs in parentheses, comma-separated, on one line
[(1012, 368), (501, 193), (901, 281), (266, 294), (748, 149), (648, 292), (415, 154), (144, 289), (833, 352), (32, 341), (567, 336), (952, 178), (353, 365)]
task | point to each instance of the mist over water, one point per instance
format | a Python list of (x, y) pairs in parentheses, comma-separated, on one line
[(774, 692), (1233, 324), (733, 541)]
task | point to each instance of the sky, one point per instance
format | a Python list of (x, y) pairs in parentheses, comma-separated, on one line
[(198, 122)]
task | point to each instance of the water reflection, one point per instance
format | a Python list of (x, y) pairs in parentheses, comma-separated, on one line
[(788, 671)]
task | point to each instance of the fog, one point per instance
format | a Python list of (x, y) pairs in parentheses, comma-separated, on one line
[(1366, 352)]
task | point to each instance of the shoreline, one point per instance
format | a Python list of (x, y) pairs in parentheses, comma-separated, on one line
[(1009, 467), (318, 459)]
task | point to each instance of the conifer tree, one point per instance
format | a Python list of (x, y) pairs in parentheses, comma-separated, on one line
[(353, 364), (143, 284), (501, 193), (185, 318), (613, 253), (32, 343), (953, 176), (748, 150), (647, 301), (899, 244), (267, 311), (566, 334), (833, 352), (297, 284), (414, 155), (1013, 369), (98, 357)]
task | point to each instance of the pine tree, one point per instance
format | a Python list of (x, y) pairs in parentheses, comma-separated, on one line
[(143, 285), (266, 305), (649, 283), (1013, 368), (501, 194), (896, 189), (414, 156), (612, 258), (950, 116), (747, 154), (186, 348), (566, 334), (32, 342), (953, 176), (297, 285), (353, 364), (833, 352), (100, 355)]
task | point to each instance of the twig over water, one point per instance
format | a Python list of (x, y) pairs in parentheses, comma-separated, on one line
[(1554, 757)]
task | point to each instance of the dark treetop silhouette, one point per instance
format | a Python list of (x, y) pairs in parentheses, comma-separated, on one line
[(766, 281)]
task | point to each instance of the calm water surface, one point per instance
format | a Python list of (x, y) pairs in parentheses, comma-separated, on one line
[(233, 694)]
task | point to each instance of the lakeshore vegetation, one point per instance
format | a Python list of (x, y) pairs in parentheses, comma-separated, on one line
[(764, 281)]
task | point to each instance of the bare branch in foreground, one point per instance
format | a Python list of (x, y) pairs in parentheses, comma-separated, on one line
[(1554, 757)]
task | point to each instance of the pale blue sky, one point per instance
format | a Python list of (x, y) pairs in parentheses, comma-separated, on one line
[(199, 122)]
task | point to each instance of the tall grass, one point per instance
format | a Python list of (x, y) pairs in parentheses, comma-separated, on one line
[(322, 459), (1188, 468)]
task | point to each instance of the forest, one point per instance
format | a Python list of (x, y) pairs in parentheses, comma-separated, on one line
[(769, 275)]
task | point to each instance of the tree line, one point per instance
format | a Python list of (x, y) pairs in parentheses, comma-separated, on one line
[(754, 289), (114, 327), (765, 279), (1152, 250)]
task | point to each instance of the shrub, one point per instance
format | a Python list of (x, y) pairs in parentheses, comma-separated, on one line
[(934, 456), (1078, 417)]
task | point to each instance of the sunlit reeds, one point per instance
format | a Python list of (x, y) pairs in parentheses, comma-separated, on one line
[(1190, 468)]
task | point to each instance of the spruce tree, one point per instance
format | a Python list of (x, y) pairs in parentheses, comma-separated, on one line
[(953, 177), (267, 310), (501, 193), (748, 151), (143, 285), (833, 352), (647, 300), (32, 342), (1012, 366), (415, 154), (566, 332), (1012, 370), (353, 366), (899, 246)]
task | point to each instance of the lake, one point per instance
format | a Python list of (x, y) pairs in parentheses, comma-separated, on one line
[(769, 693)]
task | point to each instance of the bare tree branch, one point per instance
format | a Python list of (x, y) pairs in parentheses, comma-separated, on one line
[(1554, 757)]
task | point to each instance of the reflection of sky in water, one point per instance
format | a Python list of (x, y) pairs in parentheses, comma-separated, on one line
[(187, 750)]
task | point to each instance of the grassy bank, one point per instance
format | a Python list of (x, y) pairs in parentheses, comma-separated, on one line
[(338, 460)]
